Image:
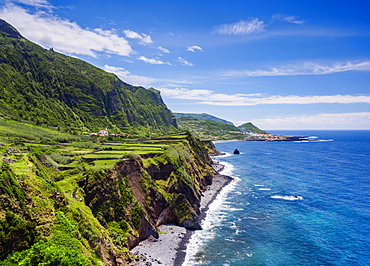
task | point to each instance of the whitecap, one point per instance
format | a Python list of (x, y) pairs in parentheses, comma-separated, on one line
[(264, 189), (287, 197), (228, 169), (236, 209), (258, 185), (234, 240)]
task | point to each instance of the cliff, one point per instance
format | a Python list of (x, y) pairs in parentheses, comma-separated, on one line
[(48, 88), (159, 190), (70, 199), (95, 216)]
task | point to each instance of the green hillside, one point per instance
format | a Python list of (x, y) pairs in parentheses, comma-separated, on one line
[(80, 200), (249, 127), (203, 116), (207, 129), (48, 88)]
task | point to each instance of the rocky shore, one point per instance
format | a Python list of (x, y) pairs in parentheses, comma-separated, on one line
[(170, 248)]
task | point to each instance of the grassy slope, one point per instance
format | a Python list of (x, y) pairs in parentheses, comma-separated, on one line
[(49, 88), (54, 201), (206, 129)]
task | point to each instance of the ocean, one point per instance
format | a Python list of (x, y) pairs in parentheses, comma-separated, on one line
[(291, 203)]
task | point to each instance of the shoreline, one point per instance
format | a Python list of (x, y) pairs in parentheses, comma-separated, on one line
[(170, 248)]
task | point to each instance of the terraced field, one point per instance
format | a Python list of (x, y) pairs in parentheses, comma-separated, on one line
[(68, 156)]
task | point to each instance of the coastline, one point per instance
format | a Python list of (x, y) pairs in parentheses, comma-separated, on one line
[(170, 248)]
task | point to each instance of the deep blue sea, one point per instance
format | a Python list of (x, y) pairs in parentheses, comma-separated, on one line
[(257, 220)]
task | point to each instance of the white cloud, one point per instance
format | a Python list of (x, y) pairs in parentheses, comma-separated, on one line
[(64, 36), (220, 99), (153, 61), (164, 50), (35, 3), (184, 62), (127, 77), (144, 39), (181, 93), (193, 48), (320, 121), (242, 27), (289, 19), (308, 68)]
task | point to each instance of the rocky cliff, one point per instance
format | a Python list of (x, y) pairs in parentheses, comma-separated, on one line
[(142, 194), (97, 216)]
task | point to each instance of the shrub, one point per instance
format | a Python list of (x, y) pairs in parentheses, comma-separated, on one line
[(46, 254), (15, 234)]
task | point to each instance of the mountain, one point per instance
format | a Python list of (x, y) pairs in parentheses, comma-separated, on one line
[(48, 88), (203, 116), (249, 127)]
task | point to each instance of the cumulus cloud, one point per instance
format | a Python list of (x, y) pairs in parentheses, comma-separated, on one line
[(359, 120), (153, 61), (307, 68), (64, 36), (242, 27), (209, 97), (289, 19), (184, 62), (127, 77), (144, 39), (193, 48)]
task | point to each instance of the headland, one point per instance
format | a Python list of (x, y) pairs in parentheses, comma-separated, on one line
[(170, 248)]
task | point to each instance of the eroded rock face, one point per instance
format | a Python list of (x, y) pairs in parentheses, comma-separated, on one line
[(145, 197), (161, 171)]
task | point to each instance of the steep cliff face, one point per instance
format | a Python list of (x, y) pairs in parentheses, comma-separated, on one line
[(140, 195), (89, 216)]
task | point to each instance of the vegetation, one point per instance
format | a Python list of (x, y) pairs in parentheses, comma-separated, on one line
[(48, 254), (55, 194), (249, 127), (48, 88), (207, 129), (203, 116), (71, 198)]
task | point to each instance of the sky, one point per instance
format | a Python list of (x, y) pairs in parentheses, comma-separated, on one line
[(278, 64)]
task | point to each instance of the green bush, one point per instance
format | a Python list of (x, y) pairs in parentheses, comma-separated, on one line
[(10, 186), (65, 232), (177, 154), (60, 159), (15, 234), (46, 254)]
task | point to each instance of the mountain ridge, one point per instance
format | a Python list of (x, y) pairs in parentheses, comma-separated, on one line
[(249, 127), (46, 87), (203, 116)]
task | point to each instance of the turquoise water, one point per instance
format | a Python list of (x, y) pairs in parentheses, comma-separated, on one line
[(258, 220)]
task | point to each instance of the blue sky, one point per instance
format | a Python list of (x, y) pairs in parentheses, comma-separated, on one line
[(279, 64)]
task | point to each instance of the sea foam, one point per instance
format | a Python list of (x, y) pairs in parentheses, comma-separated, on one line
[(214, 217)]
